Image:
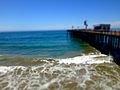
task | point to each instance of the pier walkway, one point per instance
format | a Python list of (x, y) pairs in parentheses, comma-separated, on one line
[(106, 42)]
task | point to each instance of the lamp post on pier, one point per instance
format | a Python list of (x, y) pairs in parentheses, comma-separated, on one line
[(86, 25)]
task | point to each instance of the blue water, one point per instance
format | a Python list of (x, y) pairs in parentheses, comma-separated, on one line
[(43, 44)]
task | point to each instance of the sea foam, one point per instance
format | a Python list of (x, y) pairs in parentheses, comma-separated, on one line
[(58, 74), (87, 59)]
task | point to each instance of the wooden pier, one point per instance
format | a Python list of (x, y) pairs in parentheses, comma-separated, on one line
[(108, 42)]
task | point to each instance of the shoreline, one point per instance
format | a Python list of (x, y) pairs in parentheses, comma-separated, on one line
[(29, 61)]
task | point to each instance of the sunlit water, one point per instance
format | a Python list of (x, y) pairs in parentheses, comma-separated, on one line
[(70, 65)]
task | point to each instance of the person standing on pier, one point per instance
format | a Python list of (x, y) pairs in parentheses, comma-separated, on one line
[(86, 25), (72, 27)]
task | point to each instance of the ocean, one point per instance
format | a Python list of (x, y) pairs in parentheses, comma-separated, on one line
[(43, 44), (52, 60)]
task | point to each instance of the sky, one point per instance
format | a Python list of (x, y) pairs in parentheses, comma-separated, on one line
[(57, 14)]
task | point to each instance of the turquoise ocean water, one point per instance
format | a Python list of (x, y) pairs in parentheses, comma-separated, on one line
[(42, 44)]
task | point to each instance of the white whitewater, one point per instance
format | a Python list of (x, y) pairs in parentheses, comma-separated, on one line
[(76, 73), (86, 59)]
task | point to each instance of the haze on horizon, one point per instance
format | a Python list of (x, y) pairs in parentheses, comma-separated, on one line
[(22, 15)]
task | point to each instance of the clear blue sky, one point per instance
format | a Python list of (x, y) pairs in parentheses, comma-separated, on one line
[(57, 14)]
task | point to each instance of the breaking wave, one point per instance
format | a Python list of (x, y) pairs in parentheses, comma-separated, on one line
[(87, 72)]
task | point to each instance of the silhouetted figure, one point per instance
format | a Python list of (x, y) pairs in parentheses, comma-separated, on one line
[(72, 27), (85, 23)]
